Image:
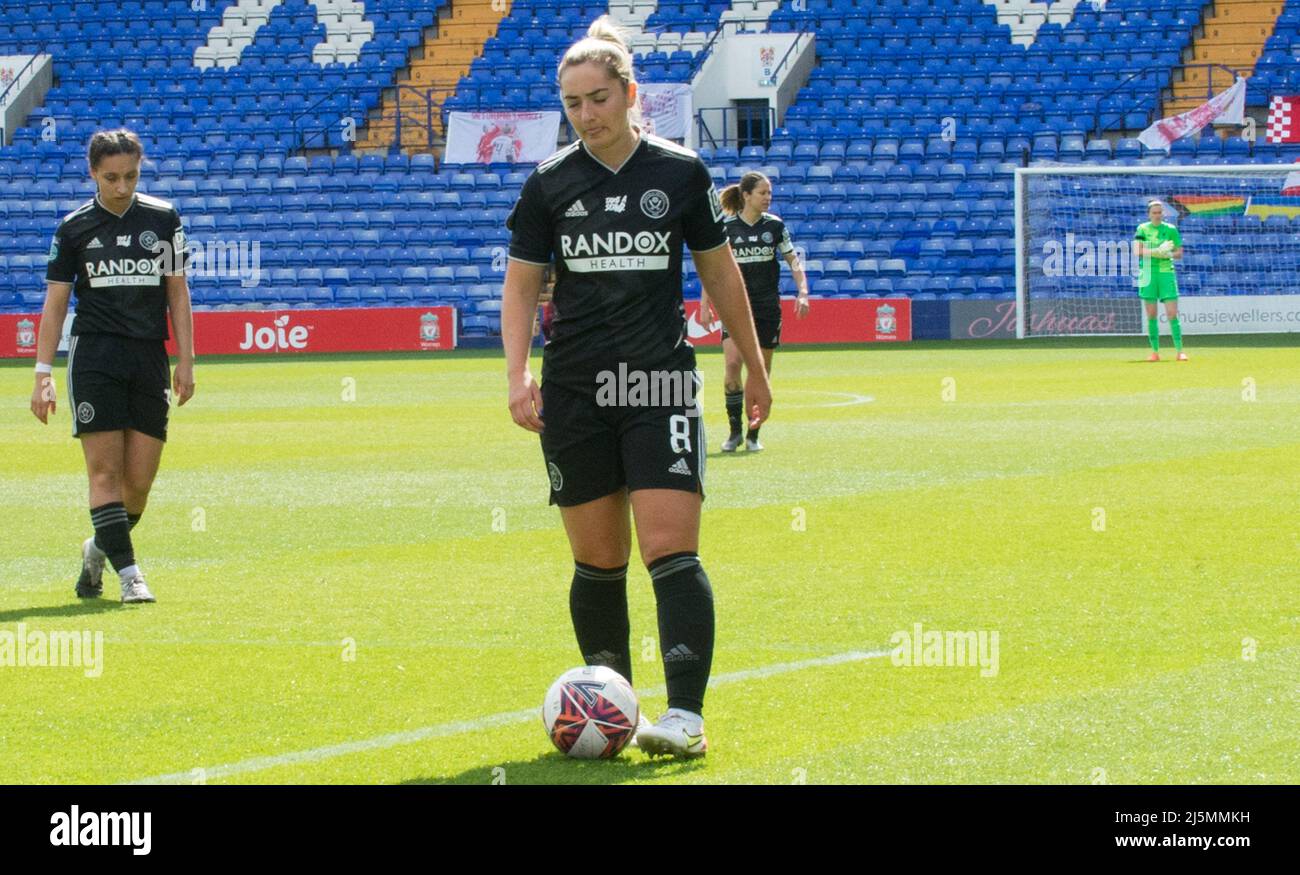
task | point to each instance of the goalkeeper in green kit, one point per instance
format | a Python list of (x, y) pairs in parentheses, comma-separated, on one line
[(1157, 245)]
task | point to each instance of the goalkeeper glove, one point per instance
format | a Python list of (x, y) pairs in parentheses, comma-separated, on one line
[(1166, 249)]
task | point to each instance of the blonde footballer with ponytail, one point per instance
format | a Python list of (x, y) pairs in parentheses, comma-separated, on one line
[(599, 92)]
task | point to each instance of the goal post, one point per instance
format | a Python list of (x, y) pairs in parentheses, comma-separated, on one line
[(1077, 270)]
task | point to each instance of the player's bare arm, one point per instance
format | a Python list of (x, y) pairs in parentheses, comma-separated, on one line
[(720, 274), (801, 305), (178, 304), (523, 287), (44, 393)]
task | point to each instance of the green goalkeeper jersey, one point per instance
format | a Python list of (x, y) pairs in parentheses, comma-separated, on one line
[(1152, 236)]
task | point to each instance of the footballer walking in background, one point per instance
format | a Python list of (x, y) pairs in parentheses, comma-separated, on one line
[(759, 241), (614, 210), (118, 381), (1158, 244)]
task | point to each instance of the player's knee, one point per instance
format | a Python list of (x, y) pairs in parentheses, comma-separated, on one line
[(609, 556), (602, 548), (104, 480), (104, 472), (135, 497), (656, 548)]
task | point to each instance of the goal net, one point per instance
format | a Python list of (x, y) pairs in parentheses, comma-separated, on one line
[(1077, 271)]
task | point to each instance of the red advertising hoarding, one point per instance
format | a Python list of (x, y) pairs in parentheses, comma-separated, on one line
[(18, 335), (234, 332), (383, 329)]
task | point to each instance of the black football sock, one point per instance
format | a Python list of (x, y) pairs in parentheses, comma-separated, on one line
[(735, 405), (685, 603), (598, 605), (113, 533), (132, 519), (753, 434)]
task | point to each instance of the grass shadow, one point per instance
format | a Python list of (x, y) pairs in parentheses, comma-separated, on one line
[(719, 454), (75, 609), (554, 767)]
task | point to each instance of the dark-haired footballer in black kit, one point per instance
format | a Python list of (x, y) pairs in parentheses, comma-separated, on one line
[(118, 373), (124, 254), (759, 240), (758, 248), (618, 409)]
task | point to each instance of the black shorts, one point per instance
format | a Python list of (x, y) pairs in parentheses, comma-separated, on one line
[(769, 332), (116, 383), (594, 449)]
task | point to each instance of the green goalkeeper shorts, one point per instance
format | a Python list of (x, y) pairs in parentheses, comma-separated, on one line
[(1162, 287)]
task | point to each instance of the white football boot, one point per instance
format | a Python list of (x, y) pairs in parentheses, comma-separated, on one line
[(678, 733), (135, 590), (642, 722), (91, 582)]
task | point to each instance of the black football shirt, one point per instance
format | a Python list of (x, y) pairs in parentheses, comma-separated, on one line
[(616, 237), (759, 248), (116, 265)]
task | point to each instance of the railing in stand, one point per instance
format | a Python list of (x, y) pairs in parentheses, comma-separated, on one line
[(706, 135), (303, 133), (18, 77), (704, 132), (423, 101), (318, 136), (1101, 124)]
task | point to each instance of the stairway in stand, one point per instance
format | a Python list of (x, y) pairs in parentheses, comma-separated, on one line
[(462, 29), (1235, 32)]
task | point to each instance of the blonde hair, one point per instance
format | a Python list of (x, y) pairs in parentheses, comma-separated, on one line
[(730, 197), (605, 45)]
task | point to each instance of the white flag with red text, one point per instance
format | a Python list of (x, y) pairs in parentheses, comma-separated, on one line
[(1227, 107)]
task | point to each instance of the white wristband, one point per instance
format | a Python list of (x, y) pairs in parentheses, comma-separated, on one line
[(43, 368)]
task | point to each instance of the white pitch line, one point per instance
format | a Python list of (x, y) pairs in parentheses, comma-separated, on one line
[(852, 399), (442, 730)]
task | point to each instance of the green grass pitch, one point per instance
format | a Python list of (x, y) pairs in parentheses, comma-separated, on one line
[(359, 578)]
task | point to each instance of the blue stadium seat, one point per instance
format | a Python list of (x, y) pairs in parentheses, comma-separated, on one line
[(869, 133)]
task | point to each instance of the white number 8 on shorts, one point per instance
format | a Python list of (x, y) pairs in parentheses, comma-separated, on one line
[(680, 426)]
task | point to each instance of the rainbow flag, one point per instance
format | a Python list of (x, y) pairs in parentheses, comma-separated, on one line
[(1279, 205), (1210, 204)]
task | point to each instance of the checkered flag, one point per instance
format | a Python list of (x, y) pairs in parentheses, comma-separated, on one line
[(1283, 124)]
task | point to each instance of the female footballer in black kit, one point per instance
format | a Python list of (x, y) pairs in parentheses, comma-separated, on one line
[(759, 240), (118, 393), (614, 210)]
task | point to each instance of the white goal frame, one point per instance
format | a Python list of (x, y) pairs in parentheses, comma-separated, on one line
[(1021, 187)]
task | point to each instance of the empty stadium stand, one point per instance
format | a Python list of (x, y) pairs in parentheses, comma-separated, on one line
[(893, 167)]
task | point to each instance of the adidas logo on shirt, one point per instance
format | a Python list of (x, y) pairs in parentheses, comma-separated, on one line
[(681, 653), (680, 467), (95, 244), (576, 210)]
